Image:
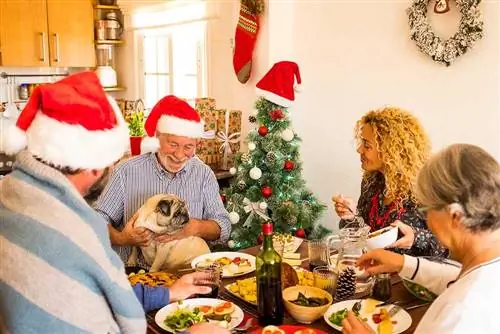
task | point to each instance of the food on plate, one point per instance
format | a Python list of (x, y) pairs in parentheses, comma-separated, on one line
[(206, 310), (289, 276), (305, 277), (385, 327), (379, 232), (309, 301), (384, 321), (224, 308), (245, 288), (183, 318), (272, 330), (337, 317), (369, 305), (234, 266), (306, 331), (152, 279), (418, 290)]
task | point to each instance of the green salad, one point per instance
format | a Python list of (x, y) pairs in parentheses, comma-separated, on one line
[(182, 319), (419, 291), (337, 317)]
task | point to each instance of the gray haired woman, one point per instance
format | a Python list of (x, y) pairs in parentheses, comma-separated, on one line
[(460, 190)]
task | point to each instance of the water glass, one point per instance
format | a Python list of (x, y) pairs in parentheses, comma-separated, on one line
[(211, 277), (318, 254), (325, 278)]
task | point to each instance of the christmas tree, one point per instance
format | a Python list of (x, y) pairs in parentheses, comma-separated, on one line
[(267, 180)]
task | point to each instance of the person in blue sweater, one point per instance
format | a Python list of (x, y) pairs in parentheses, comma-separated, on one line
[(58, 272)]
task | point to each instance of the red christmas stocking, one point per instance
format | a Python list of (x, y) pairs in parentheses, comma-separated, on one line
[(245, 37)]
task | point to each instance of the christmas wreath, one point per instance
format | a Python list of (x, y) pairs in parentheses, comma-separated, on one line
[(445, 50)]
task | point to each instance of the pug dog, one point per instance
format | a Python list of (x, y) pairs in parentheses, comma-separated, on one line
[(166, 214)]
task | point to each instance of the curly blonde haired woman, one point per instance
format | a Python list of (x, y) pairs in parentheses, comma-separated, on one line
[(393, 147)]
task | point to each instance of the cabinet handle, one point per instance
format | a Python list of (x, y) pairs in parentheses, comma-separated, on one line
[(42, 36), (57, 57)]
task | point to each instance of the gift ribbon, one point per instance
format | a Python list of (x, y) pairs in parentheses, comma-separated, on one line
[(253, 208), (208, 134), (227, 140)]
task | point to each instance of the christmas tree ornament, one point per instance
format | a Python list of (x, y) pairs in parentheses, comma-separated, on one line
[(245, 157), (263, 205), (288, 166), (287, 135), (245, 37), (252, 119), (223, 198), (234, 217), (300, 233), (242, 185), (252, 146), (266, 191), (346, 284), (263, 130), (231, 244), (255, 173), (276, 114), (260, 239), (292, 220), (271, 157), (232, 171)]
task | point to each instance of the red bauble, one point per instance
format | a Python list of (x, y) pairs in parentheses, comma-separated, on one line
[(288, 165), (263, 130), (266, 191), (223, 198), (300, 233), (276, 114), (260, 239)]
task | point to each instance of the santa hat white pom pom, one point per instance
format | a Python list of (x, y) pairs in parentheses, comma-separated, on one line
[(149, 144), (297, 88), (15, 140)]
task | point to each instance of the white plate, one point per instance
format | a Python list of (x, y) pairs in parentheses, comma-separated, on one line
[(231, 255), (162, 314), (402, 318), (292, 246)]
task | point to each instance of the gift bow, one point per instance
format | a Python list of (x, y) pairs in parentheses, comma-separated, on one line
[(227, 139), (253, 208)]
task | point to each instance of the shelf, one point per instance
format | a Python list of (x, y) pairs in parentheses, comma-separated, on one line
[(109, 41), (114, 89), (107, 7)]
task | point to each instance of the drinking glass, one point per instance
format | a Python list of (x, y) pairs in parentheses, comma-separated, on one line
[(325, 278), (318, 254), (212, 275)]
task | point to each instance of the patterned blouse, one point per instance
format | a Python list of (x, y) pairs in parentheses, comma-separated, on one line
[(379, 215)]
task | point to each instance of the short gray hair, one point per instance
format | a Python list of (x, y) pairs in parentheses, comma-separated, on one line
[(467, 175)]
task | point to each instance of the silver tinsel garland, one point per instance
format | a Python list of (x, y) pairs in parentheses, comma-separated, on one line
[(445, 51)]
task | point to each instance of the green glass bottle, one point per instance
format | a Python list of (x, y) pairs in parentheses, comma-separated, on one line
[(268, 272)]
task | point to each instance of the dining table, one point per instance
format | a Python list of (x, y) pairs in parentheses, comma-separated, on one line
[(416, 307)]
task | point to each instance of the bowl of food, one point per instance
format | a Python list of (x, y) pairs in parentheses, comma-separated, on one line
[(418, 290), (306, 304), (382, 238)]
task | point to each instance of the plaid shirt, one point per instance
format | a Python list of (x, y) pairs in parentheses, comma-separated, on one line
[(136, 180)]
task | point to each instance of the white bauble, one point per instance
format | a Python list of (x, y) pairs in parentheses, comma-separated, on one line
[(234, 217), (232, 171), (287, 135), (231, 244), (251, 146), (255, 173), (263, 205)]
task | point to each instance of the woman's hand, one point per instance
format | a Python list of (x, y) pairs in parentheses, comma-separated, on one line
[(381, 261), (344, 207), (353, 325), (207, 328), (186, 286), (408, 238)]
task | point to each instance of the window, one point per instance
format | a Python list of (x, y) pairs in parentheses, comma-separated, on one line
[(173, 62)]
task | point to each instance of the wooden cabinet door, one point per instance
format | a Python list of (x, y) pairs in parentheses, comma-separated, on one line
[(71, 33), (23, 33)]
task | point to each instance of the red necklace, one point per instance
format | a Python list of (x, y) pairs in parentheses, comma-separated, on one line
[(378, 221)]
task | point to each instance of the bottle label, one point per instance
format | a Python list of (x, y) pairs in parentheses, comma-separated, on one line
[(267, 229)]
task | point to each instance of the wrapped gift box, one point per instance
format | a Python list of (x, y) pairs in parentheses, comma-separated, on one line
[(207, 149), (228, 136)]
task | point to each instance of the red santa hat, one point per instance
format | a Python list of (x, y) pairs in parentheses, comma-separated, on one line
[(173, 116), (71, 123), (279, 84)]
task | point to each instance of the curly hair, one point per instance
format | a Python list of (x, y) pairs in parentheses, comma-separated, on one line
[(402, 146)]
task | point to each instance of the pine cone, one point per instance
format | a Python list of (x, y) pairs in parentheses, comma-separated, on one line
[(346, 284), (271, 157), (252, 119)]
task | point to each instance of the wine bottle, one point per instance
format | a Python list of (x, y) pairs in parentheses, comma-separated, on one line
[(268, 274)]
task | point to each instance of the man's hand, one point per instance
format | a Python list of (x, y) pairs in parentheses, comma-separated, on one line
[(191, 229), (132, 236), (408, 238), (352, 325), (186, 286), (208, 328)]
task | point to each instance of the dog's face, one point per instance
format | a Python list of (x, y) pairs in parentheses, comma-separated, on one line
[(163, 214)]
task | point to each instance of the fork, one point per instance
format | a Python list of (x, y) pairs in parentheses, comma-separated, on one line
[(243, 328), (395, 310)]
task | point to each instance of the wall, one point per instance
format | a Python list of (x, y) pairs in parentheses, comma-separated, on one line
[(355, 56)]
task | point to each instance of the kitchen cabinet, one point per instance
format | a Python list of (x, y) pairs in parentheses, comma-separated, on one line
[(56, 33)]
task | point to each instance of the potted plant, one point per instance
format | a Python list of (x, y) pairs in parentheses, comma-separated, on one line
[(136, 130)]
